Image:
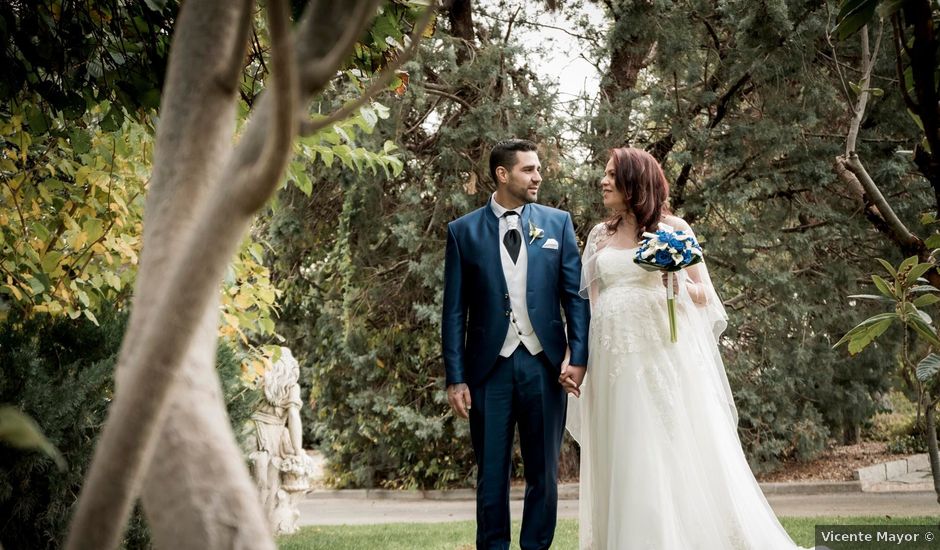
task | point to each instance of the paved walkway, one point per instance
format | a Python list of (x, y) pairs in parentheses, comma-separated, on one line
[(899, 490), (336, 510)]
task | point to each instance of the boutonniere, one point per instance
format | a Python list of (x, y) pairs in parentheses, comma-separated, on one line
[(535, 233)]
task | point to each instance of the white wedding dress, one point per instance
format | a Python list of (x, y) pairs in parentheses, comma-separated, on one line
[(661, 464)]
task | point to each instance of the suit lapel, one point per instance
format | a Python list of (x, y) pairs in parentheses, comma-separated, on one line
[(492, 247), (533, 249)]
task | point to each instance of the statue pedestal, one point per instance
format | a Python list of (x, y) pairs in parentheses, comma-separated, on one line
[(296, 481), (283, 471)]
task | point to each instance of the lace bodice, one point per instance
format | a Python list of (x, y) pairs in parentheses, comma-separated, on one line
[(616, 268), (629, 309)]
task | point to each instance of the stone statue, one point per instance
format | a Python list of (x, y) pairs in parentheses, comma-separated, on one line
[(282, 469)]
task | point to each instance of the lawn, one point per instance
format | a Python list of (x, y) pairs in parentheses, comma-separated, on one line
[(460, 535)]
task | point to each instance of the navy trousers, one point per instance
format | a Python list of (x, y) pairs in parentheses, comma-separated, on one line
[(522, 389)]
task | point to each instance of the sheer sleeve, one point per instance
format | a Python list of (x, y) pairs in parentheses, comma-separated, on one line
[(710, 320), (596, 241)]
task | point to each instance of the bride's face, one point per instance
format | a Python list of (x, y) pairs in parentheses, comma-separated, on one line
[(613, 199)]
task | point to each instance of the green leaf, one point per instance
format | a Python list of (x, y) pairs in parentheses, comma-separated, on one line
[(37, 119), (908, 263), (91, 316), (21, 431), (369, 116), (863, 338), (865, 325), (925, 288), (853, 15), (933, 241), (303, 182), (923, 330), (884, 287), (81, 141), (874, 297), (327, 155), (915, 117), (51, 260), (36, 286), (927, 219), (926, 300), (917, 271), (888, 267), (94, 228), (928, 367), (887, 8), (345, 154)]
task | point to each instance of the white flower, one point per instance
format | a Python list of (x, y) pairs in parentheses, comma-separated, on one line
[(535, 232)]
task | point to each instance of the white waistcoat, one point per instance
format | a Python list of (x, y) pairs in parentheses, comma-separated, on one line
[(520, 326)]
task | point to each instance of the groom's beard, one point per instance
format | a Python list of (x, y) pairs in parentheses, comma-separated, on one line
[(524, 195)]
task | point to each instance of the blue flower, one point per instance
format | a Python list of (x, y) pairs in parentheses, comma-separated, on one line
[(686, 256), (663, 258)]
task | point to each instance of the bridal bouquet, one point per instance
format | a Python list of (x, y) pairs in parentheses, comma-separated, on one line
[(668, 250)]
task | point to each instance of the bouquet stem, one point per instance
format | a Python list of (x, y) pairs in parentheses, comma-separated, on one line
[(671, 306)]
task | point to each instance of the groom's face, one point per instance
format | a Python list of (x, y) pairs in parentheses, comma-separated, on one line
[(523, 180)]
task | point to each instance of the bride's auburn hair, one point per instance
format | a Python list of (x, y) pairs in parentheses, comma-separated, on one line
[(640, 179)]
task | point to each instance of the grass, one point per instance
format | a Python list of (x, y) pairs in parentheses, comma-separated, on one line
[(460, 535)]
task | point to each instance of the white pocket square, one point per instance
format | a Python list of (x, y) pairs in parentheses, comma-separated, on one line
[(551, 243)]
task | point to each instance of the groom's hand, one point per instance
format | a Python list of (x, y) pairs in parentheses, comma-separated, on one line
[(571, 378), (458, 395)]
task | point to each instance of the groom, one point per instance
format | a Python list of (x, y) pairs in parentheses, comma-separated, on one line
[(511, 267)]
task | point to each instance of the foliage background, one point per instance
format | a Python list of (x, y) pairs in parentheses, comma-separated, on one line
[(744, 108), (741, 101)]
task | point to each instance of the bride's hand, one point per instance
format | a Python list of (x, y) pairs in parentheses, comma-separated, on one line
[(675, 282)]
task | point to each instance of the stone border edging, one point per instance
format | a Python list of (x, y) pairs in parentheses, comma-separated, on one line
[(567, 491), (895, 468), (878, 477)]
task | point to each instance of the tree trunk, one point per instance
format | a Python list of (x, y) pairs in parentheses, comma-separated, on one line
[(460, 16), (196, 489), (932, 451)]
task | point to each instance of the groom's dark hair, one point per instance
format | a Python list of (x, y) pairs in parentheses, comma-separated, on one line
[(504, 154)]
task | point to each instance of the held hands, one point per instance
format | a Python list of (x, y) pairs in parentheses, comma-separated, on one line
[(458, 395), (571, 378)]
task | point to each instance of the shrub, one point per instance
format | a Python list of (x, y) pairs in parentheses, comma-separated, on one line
[(60, 372)]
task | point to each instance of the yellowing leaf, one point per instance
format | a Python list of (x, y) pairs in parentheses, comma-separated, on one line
[(19, 430)]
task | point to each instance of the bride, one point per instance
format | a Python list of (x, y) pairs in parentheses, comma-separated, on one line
[(661, 464)]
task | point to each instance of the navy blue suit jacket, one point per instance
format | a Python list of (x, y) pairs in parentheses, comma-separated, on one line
[(475, 319)]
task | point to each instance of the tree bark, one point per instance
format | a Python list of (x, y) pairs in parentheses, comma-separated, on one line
[(932, 449), (460, 16), (197, 493)]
